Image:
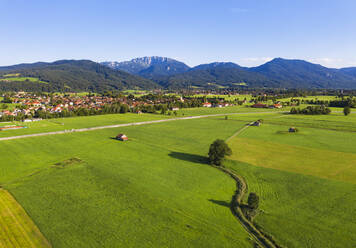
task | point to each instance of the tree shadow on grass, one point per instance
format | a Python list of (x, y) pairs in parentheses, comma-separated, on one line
[(221, 203), (189, 157)]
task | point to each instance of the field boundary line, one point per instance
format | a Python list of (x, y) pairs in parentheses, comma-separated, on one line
[(239, 131), (235, 206), (128, 124), (25, 230)]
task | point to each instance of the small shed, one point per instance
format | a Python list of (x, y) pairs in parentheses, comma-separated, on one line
[(256, 124), (121, 137), (293, 130)]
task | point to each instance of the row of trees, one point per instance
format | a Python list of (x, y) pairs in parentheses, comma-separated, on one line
[(311, 110), (343, 102), (217, 152)]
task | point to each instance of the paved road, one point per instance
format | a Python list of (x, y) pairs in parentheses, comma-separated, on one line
[(129, 124)]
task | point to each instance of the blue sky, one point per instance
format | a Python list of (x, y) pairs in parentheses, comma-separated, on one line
[(245, 32)]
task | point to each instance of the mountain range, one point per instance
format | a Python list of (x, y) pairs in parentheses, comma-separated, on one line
[(277, 73), (161, 72)]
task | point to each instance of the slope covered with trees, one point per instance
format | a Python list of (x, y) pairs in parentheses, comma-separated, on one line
[(72, 75)]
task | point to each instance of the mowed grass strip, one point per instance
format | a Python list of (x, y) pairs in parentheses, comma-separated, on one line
[(304, 160), (17, 230)]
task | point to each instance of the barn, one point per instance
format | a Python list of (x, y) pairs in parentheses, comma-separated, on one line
[(121, 137)]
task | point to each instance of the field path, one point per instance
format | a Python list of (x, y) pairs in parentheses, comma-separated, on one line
[(17, 230), (236, 205), (129, 124), (239, 131)]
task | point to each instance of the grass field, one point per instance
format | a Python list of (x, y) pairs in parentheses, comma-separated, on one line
[(16, 227), (306, 180), (50, 125), (156, 190), (59, 124), (300, 210), (22, 79), (227, 110), (143, 192)]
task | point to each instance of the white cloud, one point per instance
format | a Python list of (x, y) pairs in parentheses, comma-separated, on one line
[(333, 62), (254, 61)]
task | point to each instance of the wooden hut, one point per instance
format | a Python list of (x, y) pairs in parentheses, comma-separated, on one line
[(121, 137)]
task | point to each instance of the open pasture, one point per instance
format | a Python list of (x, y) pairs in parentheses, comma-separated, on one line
[(306, 180), (59, 124), (156, 189), (22, 79), (300, 210), (225, 110)]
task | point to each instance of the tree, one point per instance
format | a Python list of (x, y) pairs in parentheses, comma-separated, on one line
[(124, 109), (253, 200), (347, 110), (3, 106), (217, 152)]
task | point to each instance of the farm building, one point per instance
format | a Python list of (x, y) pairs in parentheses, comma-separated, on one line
[(121, 137), (256, 124), (293, 130)]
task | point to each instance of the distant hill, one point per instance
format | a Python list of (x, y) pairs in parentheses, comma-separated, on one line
[(215, 65), (217, 75), (349, 71), (303, 74), (71, 75), (150, 67), (23, 66), (278, 73)]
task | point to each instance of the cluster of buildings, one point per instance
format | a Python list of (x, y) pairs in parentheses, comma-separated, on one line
[(28, 104)]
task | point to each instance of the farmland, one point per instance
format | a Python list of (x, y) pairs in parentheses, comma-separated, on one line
[(306, 179), (156, 190), (61, 124)]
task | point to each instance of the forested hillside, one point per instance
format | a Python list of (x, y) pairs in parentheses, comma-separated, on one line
[(69, 75)]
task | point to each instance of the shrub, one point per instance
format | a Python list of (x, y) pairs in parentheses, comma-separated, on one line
[(347, 110), (253, 200)]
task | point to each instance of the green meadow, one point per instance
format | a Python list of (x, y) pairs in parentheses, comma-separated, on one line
[(157, 190), (151, 191), (60, 124), (22, 79), (306, 180), (225, 110)]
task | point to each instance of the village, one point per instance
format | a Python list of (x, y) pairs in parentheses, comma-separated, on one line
[(33, 107)]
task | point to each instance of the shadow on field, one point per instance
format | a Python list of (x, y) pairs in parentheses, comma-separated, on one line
[(221, 203), (189, 157)]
